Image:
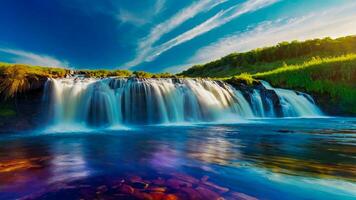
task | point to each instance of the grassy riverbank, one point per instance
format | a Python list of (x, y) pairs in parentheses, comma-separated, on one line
[(325, 68), (331, 80), (18, 78)]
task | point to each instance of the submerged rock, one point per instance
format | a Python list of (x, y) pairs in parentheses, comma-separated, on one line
[(126, 189), (170, 197), (177, 184), (207, 194), (139, 185), (175, 188), (285, 131)]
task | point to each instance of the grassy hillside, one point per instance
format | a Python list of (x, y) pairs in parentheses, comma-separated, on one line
[(331, 80), (16, 78), (325, 68), (269, 58)]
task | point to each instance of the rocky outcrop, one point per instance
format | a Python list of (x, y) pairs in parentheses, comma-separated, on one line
[(267, 96), (25, 109)]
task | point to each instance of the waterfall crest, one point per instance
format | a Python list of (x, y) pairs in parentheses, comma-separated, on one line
[(117, 101)]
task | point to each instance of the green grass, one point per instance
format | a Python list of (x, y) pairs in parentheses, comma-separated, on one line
[(18, 78), (325, 68), (242, 78), (230, 71), (312, 63), (269, 58), (333, 78)]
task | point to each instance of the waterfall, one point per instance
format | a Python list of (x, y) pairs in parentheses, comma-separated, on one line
[(257, 104), (295, 104), (117, 101)]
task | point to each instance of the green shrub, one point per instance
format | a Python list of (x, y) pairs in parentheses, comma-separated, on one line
[(245, 78), (142, 74)]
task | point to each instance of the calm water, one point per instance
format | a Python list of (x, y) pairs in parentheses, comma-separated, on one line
[(263, 159)]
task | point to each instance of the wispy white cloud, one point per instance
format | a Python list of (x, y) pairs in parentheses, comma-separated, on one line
[(330, 23), (217, 20), (158, 6), (125, 16), (150, 53), (145, 45), (143, 17), (20, 56)]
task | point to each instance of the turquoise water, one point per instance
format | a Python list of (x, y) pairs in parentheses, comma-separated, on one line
[(255, 159)]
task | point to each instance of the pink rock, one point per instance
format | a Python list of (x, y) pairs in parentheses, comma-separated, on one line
[(156, 189), (191, 193), (142, 195), (135, 179), (185, 178), (176, 183), (126, 189), (207, 194)]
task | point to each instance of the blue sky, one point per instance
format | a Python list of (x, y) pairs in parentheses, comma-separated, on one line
[(159, 35)]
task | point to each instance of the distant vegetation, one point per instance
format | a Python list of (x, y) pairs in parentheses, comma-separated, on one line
[(269, 58), (142, 74), (102, 73), (325, 68)]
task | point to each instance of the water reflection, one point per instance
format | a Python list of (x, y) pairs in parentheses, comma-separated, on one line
[(216, 147), (68, 162), (297, 153), (228, 161), (164, 157)]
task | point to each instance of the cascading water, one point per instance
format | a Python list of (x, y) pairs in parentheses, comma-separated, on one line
[(117, 101), (257, 104), (295, 104)]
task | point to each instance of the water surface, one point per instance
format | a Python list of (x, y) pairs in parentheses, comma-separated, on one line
[(256, 159)]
